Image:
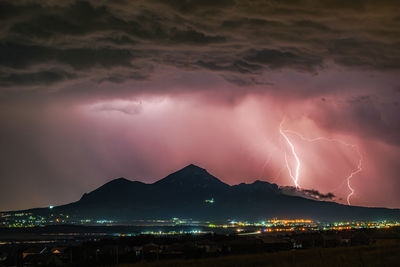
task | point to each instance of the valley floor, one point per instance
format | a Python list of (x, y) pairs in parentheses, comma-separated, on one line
[(386, 253)]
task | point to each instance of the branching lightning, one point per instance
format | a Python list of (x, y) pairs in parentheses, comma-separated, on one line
[(295, 178)]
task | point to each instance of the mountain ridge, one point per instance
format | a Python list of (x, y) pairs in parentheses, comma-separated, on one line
[(184, 194)]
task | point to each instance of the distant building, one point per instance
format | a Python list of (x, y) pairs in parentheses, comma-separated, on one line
[(210, 200)]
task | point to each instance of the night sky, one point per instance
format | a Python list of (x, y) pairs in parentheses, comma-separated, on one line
[(92, 91)]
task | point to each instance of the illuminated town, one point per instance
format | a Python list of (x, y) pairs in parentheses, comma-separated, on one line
[(21, 219), (61, 237)]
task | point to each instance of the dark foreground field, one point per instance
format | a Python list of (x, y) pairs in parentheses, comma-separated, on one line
[(385, 253)]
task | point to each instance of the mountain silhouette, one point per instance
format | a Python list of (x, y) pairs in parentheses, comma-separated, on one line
[(187, 193), (192, 177)]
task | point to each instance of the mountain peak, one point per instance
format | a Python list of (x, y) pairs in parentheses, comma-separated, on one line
[(192, 176), (114, 188), (192, 167), (119, 181)]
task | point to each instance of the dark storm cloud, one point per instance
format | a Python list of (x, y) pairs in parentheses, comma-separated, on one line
[(238, 66), (276, 59), (317, 195), (307, 193), (227, 37), (121, 78), (35, 78), (347, 53), (122, 43), (20, 56), (185, 6), (244, 22), (245, 81)]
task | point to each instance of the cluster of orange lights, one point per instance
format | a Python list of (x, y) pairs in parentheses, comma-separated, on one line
[(276, 221), (342, 228), (359, 226), (284, 229)]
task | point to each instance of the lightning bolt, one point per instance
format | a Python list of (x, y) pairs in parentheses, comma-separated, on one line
[(295, 176), (355, 171), (359, 169)]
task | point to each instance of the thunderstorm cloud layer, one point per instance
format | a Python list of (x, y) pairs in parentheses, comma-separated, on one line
[(94, 90)]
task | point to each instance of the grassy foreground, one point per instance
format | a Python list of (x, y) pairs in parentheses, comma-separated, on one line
[(383, 254)]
